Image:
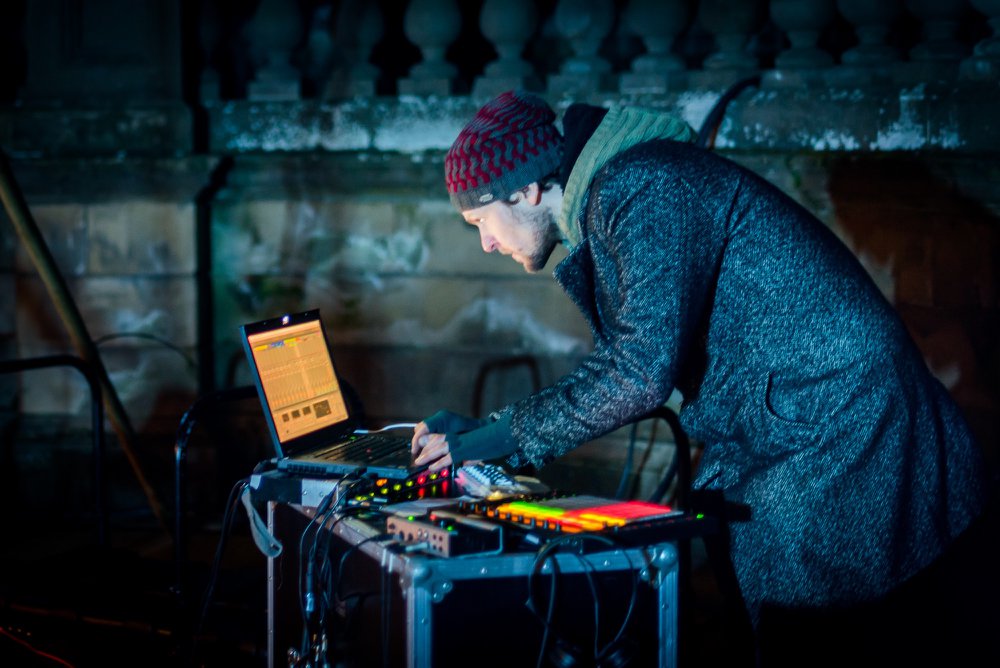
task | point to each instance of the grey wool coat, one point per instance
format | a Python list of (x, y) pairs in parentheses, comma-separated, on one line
[(814, 406)]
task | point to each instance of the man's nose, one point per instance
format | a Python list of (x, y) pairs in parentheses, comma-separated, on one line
[(488, 242)]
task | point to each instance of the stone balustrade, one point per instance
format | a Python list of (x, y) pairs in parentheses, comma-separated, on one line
[(847, 75), (643, 46), (569, 47), (280, 50)]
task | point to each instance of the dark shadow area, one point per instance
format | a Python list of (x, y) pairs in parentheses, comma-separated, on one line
[(933, 251), (65, 596)]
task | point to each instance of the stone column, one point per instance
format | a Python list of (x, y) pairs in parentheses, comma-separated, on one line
[(273, 32), (936, 58), (984, 64), (102, 53), (940, 19), (432, 25), (508, 24), (657, 23), (584, 24), (209, 36), (319, 54), (871, 20), (803, 22), (359, 28), (731, 23)]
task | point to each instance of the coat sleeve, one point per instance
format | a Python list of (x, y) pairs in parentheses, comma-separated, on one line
[(656, 253)]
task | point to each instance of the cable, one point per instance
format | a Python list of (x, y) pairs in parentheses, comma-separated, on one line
[(152, 337), (343, 559), (547, 552), (386, 602), (547, 620), (307, 601), (315, 576), (398, 425), (34, 650), (710, 126), (627, 469), (227, 522)]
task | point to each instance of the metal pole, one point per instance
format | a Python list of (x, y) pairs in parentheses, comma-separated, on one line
[(97, 424), (34, 243)]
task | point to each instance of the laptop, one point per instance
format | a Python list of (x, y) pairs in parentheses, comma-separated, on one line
[(309, 419)]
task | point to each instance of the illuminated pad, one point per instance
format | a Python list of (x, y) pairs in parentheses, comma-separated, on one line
[(581, 513)]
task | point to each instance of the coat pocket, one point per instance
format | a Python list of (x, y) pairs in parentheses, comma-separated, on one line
[(795, 411)]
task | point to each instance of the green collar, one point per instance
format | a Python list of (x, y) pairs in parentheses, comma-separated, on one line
[(621, 129)]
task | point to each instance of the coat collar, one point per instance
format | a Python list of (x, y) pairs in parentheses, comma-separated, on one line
[(620, 129)]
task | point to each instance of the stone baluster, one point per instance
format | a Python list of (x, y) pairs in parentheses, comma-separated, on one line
[(657, 23), (209, 37), (871, 20), (803, 22), (984, 64), (937, 57), (584, 24), (319, 52), (508, 24), (274, 31), (731, 23), (358, 29), (432, 25), (940, 19)]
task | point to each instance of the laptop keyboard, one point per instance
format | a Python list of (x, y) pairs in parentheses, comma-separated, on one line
[(367, 447)]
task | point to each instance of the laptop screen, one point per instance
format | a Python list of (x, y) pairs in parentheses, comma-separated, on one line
[(298, 379)]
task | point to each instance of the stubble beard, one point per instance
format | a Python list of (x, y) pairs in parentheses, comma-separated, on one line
[(544, 235)]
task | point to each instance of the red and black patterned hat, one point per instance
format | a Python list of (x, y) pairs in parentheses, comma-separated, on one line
[(510, 142)]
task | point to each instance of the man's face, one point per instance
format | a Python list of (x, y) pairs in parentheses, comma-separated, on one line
[(524, 231)]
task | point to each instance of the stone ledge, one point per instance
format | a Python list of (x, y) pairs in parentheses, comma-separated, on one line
[(83, 180), (921, 117), (42, 130), (939, 116)]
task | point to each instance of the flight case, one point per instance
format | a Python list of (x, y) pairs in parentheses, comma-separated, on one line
[(574, 600)]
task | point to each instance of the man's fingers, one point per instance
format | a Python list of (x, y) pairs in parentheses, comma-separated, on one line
[(419, 438), (434, 446), (441, 463)]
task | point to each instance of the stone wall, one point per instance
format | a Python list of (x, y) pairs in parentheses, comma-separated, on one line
[(174, 221), (340, 207)]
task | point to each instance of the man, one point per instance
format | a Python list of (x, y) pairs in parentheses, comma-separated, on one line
[(816, 410)]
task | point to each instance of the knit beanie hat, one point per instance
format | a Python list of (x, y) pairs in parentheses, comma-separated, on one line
[(510, 142)]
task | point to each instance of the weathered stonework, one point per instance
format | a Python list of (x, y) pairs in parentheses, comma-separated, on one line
[(340, 206)]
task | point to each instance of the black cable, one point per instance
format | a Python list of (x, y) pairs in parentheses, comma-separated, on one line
[(314, 590), (151, 337), (547, 552), (321, 546), (547, 620), (710, 126), (343, 559), (587, 571), (627, 469), (306, 558), (227, 522), (634, 572), (386, 602)]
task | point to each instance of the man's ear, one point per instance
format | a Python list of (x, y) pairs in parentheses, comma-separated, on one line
[(533, 193)]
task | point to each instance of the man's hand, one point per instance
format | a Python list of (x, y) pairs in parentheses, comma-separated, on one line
[(430, 437), (446, 438), (433, 449)]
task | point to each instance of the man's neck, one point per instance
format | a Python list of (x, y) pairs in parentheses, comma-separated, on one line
[(552, 199)]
